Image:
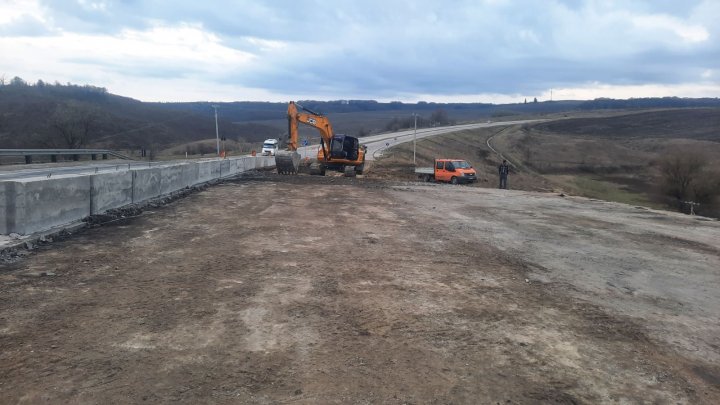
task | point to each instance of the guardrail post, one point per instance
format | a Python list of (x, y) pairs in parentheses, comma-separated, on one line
[(74, 154)]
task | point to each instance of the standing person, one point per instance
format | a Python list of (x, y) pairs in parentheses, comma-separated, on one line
[(503, 169)]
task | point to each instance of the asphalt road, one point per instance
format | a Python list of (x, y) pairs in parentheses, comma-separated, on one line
[(376, 144)]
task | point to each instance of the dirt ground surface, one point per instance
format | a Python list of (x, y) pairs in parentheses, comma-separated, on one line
[(299, 289)]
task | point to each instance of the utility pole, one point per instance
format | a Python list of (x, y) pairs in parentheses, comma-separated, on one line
[(414, 139), (217, 132)]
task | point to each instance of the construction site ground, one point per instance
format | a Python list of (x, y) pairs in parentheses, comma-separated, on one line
[(300, 289)]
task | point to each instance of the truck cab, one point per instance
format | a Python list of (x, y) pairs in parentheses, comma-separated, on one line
[(270, 147), (455, 171)]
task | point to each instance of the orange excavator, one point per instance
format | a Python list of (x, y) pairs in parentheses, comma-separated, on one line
[(336, 152)]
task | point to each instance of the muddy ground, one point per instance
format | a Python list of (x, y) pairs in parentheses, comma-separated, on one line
[(331, 290)]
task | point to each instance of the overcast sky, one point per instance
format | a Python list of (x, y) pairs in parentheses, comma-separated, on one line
[(468, 51)]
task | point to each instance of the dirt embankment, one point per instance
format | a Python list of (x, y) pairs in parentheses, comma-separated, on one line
[(333, 290), (470, 145), (614, 158)]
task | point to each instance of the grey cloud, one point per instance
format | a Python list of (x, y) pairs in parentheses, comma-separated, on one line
[(380, 48), (129, 69)]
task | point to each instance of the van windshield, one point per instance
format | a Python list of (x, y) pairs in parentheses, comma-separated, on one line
[(268, 145), (461, 164)]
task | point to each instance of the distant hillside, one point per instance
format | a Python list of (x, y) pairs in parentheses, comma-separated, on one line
[(56, 115), (362, 117), (696, 123), (370, 109), (37, 115)]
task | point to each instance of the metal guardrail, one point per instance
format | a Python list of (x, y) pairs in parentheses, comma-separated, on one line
[(53, 153)]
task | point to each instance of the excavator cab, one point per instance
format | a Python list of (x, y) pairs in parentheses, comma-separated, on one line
[(344, 147)]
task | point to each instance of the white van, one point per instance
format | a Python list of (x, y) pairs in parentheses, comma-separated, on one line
[(270, 147)]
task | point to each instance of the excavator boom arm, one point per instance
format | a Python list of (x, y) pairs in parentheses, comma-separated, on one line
[(319, 122)]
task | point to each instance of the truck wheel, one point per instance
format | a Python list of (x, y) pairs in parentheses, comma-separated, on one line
[(426, 178), (454, 180), (359, 168)]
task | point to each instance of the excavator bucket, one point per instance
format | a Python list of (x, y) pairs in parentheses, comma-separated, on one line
[(287, 162)]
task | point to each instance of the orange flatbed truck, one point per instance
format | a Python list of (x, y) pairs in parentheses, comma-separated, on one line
[(453, 171)]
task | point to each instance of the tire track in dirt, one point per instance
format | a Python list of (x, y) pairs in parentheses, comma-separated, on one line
[(317, 290)]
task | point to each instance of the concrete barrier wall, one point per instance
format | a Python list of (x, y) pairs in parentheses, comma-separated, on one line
[(225, 168), (204, 172), (7, 206), (171, 179), (215, 169), (110, 190), (190, 174), (146, 184), (243, 164), (9, 192), (33, 205), (43, 204)]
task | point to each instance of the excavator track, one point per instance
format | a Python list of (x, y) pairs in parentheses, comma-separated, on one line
[(317, 169)]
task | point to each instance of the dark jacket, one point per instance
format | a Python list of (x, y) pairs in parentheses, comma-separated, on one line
[(504, 169)]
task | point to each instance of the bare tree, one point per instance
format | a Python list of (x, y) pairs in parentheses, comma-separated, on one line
[(440, 117), (73, 124), (204, 148), (680, 172), (17, 81), (707, 188)]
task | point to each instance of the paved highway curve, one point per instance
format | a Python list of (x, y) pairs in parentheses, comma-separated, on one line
[(374, 143)]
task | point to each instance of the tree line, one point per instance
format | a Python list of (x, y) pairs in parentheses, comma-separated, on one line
[(439, 117)]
